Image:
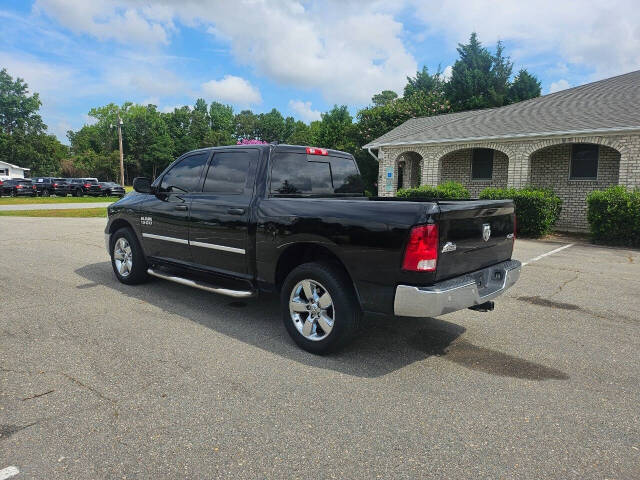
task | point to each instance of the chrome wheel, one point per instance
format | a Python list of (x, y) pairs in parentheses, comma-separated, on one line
[(123, 257), (311, 310)]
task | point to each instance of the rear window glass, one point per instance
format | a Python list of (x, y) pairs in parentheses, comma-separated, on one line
[(299, 173)]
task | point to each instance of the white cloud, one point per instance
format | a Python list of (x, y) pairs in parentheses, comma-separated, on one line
[(602, 36), (170, 108), (446, 73), (347, 50), (150, 101), (110, 20), (304, 111), (232, 89), (561, 84)]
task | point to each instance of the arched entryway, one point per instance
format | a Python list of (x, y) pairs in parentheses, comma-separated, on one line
[(572, 171), (475, 168), (408, 170)]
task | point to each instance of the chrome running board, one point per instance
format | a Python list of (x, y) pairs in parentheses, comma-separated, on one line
[(201, 285)]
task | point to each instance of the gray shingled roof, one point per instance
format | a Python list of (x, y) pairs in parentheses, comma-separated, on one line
[(612, 104)]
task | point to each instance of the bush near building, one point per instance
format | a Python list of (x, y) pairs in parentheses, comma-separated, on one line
[(445, 191), (537, 209), (614, 216)]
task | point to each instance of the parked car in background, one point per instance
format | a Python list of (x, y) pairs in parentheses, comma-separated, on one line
[(17, 187), (46, 186), (112, 189), (81, 186)]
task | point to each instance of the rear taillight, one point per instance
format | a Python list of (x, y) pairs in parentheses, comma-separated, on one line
[(18, 186), (421, 254), (317, 151), (87, 185), (55, 185)]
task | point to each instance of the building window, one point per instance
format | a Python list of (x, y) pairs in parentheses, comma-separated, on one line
[(482, 164), (584, 162)]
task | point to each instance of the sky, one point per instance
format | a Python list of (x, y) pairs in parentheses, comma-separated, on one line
[(301, 57)]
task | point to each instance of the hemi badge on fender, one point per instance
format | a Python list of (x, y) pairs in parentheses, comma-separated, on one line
[(449, 247)]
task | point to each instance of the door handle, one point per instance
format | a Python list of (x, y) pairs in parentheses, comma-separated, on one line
[(235, 211), (181, 207)]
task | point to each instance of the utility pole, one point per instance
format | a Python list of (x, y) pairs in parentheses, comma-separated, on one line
[(120, 122)]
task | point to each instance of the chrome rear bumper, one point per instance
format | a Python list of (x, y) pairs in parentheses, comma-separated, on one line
[(456, 293)]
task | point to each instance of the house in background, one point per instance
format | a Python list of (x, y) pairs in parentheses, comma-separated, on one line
[(574, 141), (8, 170)]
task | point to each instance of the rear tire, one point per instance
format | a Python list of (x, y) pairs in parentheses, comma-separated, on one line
[(45, 193), (304, 314), (127, 259)]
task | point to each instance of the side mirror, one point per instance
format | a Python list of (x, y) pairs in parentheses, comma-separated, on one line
[(142, 185)]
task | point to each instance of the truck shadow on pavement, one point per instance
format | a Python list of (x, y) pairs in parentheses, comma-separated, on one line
[(386, 344)]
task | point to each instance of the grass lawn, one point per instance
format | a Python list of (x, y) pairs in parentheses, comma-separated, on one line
[(30, 200), (69, 212), (128, 188)]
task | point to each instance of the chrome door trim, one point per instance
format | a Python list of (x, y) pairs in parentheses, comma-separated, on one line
[(183, 241), (213, 246)]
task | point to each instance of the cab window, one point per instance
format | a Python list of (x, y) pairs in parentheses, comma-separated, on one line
[(229, 172)]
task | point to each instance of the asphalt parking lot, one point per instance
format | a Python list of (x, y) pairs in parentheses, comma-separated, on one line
[(101, 380)]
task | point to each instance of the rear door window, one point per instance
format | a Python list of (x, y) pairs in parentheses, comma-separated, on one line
[(228, 173)]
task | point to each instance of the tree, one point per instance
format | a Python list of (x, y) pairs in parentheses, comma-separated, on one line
[(245, 125), (147, 139), (23, 140), (501, 72), (524, 87), (477, 77), (424, 83), (384, 98), (270, 127), (336, 130), (222, 123), (18, 109), (374, 122), (90, 163), (300, 134), (200, 121), (178, 125)]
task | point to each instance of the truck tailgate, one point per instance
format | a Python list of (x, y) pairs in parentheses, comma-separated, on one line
[(473, 235)]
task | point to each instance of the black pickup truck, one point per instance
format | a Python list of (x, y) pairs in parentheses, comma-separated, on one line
[(289, 219)]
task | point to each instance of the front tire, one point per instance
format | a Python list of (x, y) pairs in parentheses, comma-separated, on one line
[(45, 193), (319, 307), (127, 258)]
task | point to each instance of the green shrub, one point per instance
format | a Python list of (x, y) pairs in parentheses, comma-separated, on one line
[(445, 191), (537, 209), (614, 216)]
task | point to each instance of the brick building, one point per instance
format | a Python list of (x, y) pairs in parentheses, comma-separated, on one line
[(574, 141)]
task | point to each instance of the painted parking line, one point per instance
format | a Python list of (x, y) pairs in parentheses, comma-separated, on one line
[(535, 259), (8, 472)]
